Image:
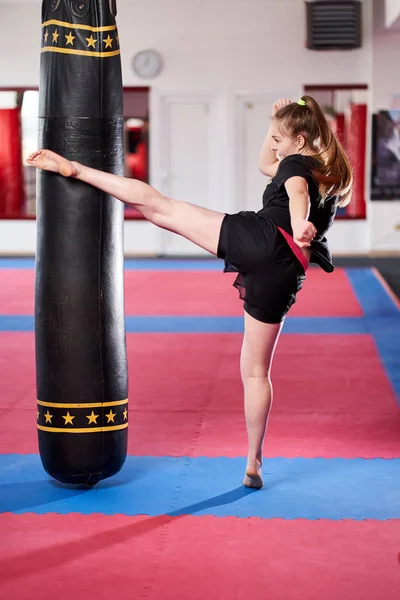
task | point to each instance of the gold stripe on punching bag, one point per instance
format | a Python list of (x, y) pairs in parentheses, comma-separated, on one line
[(78, 26)]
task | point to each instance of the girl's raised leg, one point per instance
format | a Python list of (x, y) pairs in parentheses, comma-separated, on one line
[(199, 225)]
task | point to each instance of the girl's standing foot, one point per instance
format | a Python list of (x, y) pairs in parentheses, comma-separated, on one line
[(253, 477)]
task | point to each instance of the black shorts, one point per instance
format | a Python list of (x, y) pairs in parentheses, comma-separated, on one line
[(270, 275)]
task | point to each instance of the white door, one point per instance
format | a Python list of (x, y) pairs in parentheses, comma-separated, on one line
[(190, 160), (253, 116)]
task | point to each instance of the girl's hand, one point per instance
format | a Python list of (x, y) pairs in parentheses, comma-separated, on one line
[(303, 232), (279, 104)]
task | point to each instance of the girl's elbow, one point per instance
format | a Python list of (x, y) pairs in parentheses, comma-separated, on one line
[(266, 170)]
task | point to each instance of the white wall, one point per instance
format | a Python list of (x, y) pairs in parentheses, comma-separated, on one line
[(385, 75), (392, 12), (219, 47)]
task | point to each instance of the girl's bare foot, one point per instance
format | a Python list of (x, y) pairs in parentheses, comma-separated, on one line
[(50, 161), (253, 478)]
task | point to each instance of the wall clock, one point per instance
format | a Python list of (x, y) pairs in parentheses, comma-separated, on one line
[(147, 64)]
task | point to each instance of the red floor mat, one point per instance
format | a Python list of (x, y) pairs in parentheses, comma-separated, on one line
[(200, 293), (193, 558), (185, 371), (307, 436), (17, 288), (166, 433), (186, 397), (210, 293)]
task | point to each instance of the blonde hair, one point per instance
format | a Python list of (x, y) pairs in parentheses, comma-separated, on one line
[(333, 172)]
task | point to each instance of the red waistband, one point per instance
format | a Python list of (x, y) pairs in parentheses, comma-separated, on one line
[(295, 248)]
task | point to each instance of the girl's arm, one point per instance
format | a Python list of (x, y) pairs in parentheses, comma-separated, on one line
[(268, 163), (299, 207)]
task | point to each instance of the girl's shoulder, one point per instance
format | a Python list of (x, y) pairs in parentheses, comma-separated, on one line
[(293, 165), (307, 161)]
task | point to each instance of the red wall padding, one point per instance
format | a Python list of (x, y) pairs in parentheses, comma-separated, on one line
[(137, 162), (11, 177), (340, 128), (356, 132)]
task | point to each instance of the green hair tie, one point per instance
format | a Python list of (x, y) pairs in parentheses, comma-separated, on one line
[(302, 102)]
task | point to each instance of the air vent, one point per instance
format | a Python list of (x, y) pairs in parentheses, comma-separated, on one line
[(333, 25)]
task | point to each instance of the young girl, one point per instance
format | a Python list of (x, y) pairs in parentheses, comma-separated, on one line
[(270, 250)]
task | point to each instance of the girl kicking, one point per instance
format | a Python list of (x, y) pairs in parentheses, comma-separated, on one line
[(270, 250)]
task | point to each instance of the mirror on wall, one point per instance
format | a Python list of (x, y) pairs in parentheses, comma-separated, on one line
[(19, 135), (19, 132), (136, 118), (385, 150), (346, 109)]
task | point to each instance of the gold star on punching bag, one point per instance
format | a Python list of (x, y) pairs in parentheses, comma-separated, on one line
[(48, 417), (91, 41), (125, 413), (70, 38), (56, 35), (68, 418), (46, 35), (108, 41), (111, 416), (92, 418)]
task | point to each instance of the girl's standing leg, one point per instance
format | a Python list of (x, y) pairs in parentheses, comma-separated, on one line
[(259, 343), (199, 225)]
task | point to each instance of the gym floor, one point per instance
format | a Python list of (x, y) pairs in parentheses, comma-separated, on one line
[(176, 523)]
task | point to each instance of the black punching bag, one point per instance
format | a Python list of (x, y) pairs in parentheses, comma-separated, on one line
[(79, 297)]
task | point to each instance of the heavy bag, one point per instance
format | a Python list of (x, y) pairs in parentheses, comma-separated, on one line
[(81, 367), (356, 146)]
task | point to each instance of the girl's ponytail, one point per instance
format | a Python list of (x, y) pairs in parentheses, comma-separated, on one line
[(334, 173)]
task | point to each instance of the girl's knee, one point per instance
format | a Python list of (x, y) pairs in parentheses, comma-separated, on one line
[(256, 372)]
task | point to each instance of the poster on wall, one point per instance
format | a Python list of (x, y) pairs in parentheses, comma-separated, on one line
[(385, 168)]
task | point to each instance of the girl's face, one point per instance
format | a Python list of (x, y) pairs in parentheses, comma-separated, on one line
[(284, 145)]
